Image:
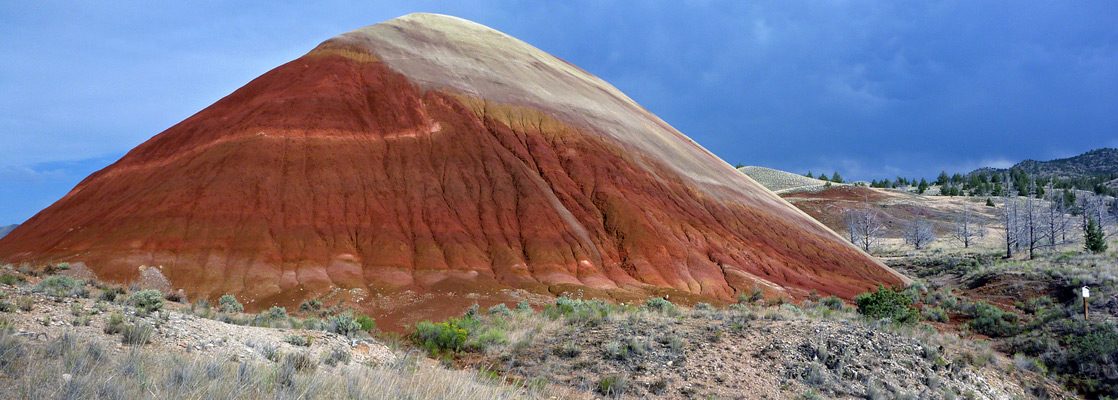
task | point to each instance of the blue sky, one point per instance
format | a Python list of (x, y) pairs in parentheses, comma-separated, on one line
[(868, 88)]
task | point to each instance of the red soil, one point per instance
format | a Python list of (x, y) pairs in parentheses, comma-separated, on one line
[(330, 171)]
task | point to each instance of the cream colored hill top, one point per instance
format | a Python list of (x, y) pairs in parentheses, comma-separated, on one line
[(439, 51), (447, 53), (780, 181)]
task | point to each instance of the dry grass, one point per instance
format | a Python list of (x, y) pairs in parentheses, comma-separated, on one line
[(66, 368)]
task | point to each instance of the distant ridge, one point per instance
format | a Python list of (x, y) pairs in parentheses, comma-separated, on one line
[(1096, 162), (5, 229)]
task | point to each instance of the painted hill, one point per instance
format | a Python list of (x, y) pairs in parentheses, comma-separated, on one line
[(5, 229), (435, 158), (782, 182)]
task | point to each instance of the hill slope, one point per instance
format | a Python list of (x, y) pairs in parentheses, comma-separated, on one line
[(780, 181), (429, 154)]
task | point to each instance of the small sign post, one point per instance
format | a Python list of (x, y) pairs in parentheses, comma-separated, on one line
[(1086, 295)]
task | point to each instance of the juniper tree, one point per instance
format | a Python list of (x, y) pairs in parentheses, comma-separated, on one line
[(1095, 241)]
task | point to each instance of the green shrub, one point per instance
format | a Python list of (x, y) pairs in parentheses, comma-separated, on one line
[(500, 309), (703, 306), (488, 337), (299, 361), (523, 306), (834, 303), (136, 334), (298, 340), (147, 300), (337, 355), (472, 311), (439, 337), (229, 304), (110, 294), (936, 314), (277, 312), (13, 280), (752, 297), (367, 324), (25, 303), (583, 312), (62, 286), (310, 305), (613, 385), (343, 324), (661, 305), (887, 304), (990, 320), (314, 324)]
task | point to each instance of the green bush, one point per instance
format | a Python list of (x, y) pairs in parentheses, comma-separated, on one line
[(229, 304), (583, 312), (62, 286), (439, 337), (366, 323), (13, 280), (936, 314), (990, 320), (523, 306), (661, 305), (314, 324), (136, 334), (277, 312), (834, 303), (299, 361), (343, 324), (752, 297), (310, 305), (298, 340), (337, 355), (500, 309), (110, 294), (147, 300), (488, 337), (889, 304), (613, 385)]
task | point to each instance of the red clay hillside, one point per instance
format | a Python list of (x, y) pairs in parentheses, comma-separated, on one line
[(436, 155)]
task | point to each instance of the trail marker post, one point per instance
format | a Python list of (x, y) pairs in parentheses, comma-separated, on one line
[(1086, 295)]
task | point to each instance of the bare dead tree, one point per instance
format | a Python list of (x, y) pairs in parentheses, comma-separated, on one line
[(1057, 220), (968, 227), (1032, 231), (918, 233), (864, 226), (1009, 223)]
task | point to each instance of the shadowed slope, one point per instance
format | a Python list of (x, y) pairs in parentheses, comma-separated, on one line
[(430, 153)]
